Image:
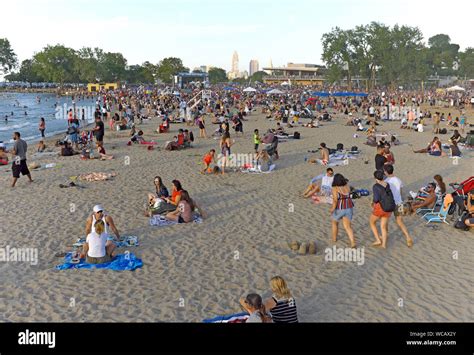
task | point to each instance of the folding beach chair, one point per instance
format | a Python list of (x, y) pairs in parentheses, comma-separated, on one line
[(436, 207), (438, 216)]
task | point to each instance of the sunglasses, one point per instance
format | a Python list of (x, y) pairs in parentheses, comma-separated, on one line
[(100, 212)]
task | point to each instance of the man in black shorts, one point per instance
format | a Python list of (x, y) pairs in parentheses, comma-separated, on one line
[(19, 158), (99, 130)]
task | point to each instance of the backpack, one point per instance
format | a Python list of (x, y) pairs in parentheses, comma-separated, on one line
[(340, 146), (387, 202), (443, 131), (191, 136), (296, 135)]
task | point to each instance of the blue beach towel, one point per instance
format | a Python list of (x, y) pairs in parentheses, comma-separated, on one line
[(233, 318), (121, 262)]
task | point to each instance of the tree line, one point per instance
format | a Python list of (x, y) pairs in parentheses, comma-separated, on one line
[(392, 55), (375, 52)]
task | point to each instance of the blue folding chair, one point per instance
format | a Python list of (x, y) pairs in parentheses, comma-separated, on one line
[(439, 216)]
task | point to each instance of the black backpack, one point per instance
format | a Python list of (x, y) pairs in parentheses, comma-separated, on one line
[(387, 202), (296, 135), (340, 146), (191, 136)]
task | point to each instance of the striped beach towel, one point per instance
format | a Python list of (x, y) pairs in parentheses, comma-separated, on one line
[(232, 318)]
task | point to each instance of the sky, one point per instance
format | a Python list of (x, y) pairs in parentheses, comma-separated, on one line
[(207, 32)]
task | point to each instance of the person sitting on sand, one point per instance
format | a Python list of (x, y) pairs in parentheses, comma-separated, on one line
[(185, 209), (271, 141), (100, 215), (207, 160), (428, 202), (453, 148), (41, 147), (138, 138), (470, 209), (98, 249), (371, 140), (161, 192), (101, 151), (282, 305), (3, 154), (324, 154), (434, 148), (325, 187), (253, 304)]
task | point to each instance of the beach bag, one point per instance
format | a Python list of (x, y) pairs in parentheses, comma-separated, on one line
[(443, 131), (354, 149), (340, 146), (191, 137), (387, 202), (296, 135)]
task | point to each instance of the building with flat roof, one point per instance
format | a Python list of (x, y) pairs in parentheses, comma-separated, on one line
[(296, 74), (253, 67)]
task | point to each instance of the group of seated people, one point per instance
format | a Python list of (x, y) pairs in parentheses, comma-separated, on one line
[(178, 207), (182, 140), (435, 148), (279, 308)]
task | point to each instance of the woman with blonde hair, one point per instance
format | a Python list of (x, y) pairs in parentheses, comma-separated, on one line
[(282, 305), (97, 249)]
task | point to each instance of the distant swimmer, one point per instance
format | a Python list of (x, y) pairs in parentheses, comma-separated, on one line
[(26, 113), (6, 118)]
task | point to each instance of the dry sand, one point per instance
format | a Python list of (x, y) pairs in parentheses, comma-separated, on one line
[(190, 271)]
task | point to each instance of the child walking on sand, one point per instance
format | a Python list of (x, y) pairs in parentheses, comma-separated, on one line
[(257, 140), (207, 160)]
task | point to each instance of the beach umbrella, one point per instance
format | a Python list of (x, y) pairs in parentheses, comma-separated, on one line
[(275, 92), (228, 88), (249, 89), (456, 88)]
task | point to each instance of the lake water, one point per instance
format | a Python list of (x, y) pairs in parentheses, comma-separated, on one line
[(52, 108)]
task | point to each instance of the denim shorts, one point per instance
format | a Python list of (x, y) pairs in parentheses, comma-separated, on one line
[(339, 214)]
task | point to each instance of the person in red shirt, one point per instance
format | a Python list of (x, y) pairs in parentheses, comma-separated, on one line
[(180, 138), (207, 160)]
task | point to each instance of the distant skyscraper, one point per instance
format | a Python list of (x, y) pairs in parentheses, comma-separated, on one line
[(253, 67), (235, 64)]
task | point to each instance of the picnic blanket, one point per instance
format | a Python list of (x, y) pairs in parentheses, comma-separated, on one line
[(232, 318), (160, 221), (121, 262), (125, 242)]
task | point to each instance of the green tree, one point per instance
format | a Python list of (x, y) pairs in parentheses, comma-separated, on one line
[(113, 67), (338, 54), (467, 63), (169, 67), (141, 74), (257, 76), (27, 73), (217, 75), (56, 64), (8, 59), (442, 54)]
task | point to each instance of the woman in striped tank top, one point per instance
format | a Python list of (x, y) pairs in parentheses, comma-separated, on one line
[(282, 305), (342, 208)]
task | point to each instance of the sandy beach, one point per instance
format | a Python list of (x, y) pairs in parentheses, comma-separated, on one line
[(197, 271)]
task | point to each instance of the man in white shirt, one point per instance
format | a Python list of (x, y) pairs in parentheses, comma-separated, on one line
[(396, 187), (326, 184)]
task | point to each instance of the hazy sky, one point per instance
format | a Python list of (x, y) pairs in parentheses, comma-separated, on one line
[(206, 32)]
